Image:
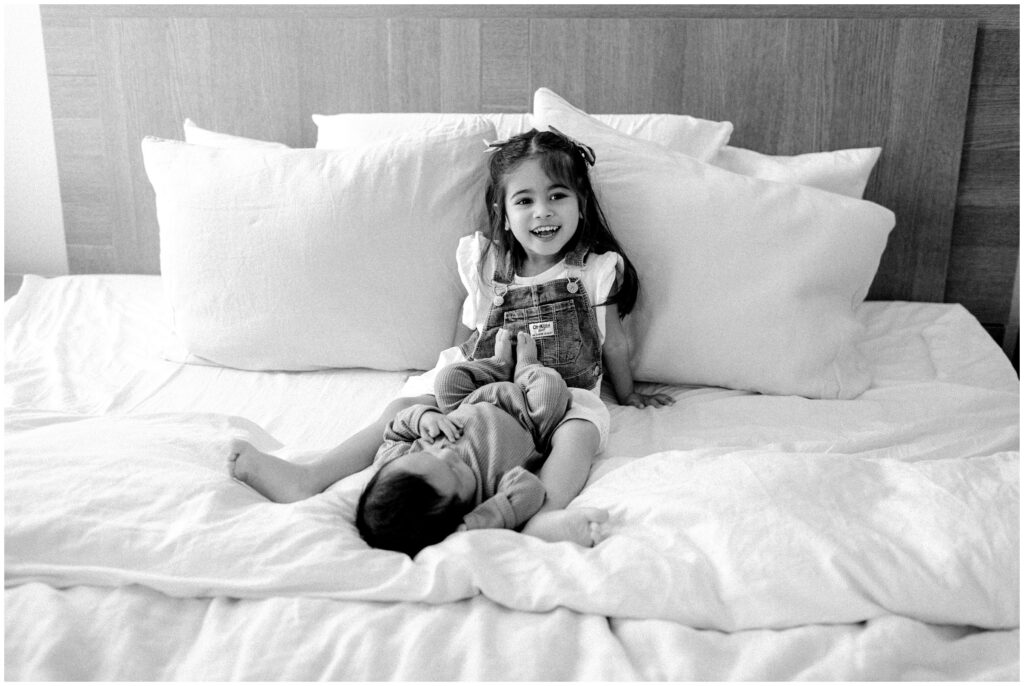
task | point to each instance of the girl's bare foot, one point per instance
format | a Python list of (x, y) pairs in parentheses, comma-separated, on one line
[(526, 350), (274, 478), (579, 525), (503, 350)]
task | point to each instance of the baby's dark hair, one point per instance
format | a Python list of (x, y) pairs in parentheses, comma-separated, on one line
[(400, 511), (566, 162)]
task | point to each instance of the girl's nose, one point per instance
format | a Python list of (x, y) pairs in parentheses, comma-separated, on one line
[(541, 210)]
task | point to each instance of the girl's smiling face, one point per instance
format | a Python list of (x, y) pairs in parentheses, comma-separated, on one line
[(542, 214)]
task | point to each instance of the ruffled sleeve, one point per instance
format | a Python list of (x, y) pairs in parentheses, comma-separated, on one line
[(467, 257), (603, 275)]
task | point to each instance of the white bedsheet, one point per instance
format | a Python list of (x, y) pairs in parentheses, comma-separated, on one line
[(808, 530)]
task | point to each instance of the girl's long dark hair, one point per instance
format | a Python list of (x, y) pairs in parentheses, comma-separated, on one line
[(563, 162)]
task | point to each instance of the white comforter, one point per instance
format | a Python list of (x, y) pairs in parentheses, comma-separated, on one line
[(713, 538), (797, 526)]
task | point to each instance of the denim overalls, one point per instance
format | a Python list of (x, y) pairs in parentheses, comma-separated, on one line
[(559, 316)]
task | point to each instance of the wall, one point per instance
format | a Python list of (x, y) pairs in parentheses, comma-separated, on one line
[(33, 224)]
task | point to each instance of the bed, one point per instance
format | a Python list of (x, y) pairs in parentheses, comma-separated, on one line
[(834, 494)]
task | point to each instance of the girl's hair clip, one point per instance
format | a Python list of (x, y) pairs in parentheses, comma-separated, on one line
[(584, 150), (495, 145)]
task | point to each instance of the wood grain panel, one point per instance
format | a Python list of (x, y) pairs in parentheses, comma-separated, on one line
[(559, 58), (994, 119), (92, 219), (998, 58), (79, 171), (460, 66), (255, 75), (930, 56), (414, 65), (505, 65), (989, 298), (69, 48), (75, 97), (91, 259), (344, 62)]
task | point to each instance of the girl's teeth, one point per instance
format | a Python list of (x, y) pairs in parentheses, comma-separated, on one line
[(546, 231)]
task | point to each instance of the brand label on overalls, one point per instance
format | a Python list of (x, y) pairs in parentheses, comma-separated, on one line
[(542, 329)]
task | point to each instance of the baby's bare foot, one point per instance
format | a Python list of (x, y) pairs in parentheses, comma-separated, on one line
[(579, 525), (503, 349), (274, 478), (526, 350)]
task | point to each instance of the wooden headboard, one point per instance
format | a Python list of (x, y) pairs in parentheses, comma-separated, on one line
[(791, 79)]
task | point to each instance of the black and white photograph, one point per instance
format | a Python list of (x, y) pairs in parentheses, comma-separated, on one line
[(511, 342)]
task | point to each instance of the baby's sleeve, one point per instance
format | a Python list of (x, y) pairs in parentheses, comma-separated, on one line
[(520, 494), (405, 426)]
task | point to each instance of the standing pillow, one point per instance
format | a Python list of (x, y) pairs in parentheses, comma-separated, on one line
[(841, 171), (699, 138), (745, 283), (282, 259), (199, 136)]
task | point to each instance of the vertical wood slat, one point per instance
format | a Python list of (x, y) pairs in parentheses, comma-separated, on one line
[(414, 67), (932, 60), (460, 77), (69, 48), (559, 62), (505, 65), (344, 62)]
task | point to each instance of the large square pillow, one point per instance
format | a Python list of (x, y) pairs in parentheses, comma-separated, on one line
[(699, 138), (840, 171), (745, 283), (302, 259)]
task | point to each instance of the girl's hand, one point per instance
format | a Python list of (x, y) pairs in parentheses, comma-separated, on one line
[(434, 424), (643, 400)]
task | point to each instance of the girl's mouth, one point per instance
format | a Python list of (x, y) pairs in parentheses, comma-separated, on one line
[(545, 231)]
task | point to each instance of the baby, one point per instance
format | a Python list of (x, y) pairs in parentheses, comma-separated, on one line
[(505, 411)]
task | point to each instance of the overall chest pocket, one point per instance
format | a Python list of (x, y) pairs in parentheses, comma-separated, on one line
[(554, 326)]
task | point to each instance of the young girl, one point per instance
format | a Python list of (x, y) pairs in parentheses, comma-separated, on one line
[(551, 268)]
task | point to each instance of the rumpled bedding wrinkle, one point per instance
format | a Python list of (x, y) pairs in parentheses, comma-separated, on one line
[(750, 536)]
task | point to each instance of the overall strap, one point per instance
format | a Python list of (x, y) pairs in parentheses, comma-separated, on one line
[(574, 263), (504, 272), (576, 258)]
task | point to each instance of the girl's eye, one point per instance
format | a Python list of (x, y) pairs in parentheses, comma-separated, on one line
[(522, 201)]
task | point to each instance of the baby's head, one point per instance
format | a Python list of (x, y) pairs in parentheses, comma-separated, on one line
[(415, 500)]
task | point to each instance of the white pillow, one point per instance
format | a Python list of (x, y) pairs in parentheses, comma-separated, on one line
[(302, 259), (200, 136), (698, 138), (341, 130), (745, 283), (842, 171)]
